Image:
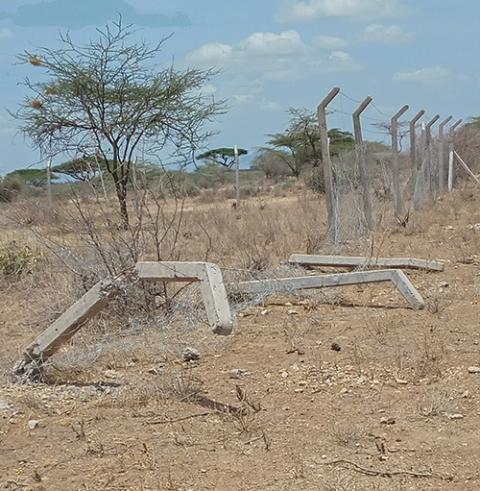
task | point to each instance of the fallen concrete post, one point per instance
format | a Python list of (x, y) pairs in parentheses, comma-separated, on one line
[(358, 261), (287, 285), (212, 287), (50, 340)]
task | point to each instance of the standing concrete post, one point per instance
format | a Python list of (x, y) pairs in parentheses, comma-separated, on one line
[(360, 151), (49, 182), (454, 126), (398, 207), (237, 176), (451, 148), (428, 144), (327, 164), (442, 171), (413, 148)]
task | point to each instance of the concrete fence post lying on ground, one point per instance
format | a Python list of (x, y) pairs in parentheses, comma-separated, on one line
[(366, 262), (287, 285), (212, 287), (62, 330)]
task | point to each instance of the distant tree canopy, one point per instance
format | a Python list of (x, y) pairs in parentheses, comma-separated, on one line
[(224, 156), (30, 177), (299, 145), (81, 169)]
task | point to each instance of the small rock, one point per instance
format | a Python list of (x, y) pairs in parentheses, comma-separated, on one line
[(292, 312), (344, 391), (5, 405), (238, 373), (473, 369), (284, 374), (190, 354), (33, 423), (110, 374), (401, 381), (387, 421), (444, 284), (156, 370), (455, 416), (336, 347), (265, 312)]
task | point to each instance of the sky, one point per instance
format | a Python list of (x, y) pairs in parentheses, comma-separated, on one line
[(271, 55)]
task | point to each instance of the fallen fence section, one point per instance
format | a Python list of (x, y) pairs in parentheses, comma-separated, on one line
[(62, 330), (287, 285), (357, 261), (210, 277)]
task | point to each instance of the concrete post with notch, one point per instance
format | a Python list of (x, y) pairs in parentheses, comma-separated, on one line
[(413, 147), (360, 151), (327, 164), (397, 197), (429, 145), (442, 170)]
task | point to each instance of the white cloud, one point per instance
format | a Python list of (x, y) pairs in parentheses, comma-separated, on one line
[(275, 56), (424, 75), (329, 42), (307, 10), (378, 33), (5, 33)]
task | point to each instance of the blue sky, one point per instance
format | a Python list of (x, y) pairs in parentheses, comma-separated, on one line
[(273, 54)]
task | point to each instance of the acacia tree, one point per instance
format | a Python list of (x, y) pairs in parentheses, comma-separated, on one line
[(222, 156), (299, 145), (108, 98)]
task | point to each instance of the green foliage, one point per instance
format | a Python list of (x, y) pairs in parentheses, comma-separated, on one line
[(30, 177), (16, 259), (299, 145), (81, 169), (222, 156), (340, 142)]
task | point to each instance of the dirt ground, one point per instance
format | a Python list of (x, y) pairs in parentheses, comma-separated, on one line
[(344, 391)]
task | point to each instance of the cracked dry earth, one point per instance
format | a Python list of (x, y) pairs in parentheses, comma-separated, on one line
[(357, 393)]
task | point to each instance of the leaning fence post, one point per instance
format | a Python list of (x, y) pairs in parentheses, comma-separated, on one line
[(428, 140), (395, 165), (360, 151), (441, 155), (327, 164), (413, 148)]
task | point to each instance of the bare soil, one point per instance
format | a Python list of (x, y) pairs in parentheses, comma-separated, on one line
[(344, 391)]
